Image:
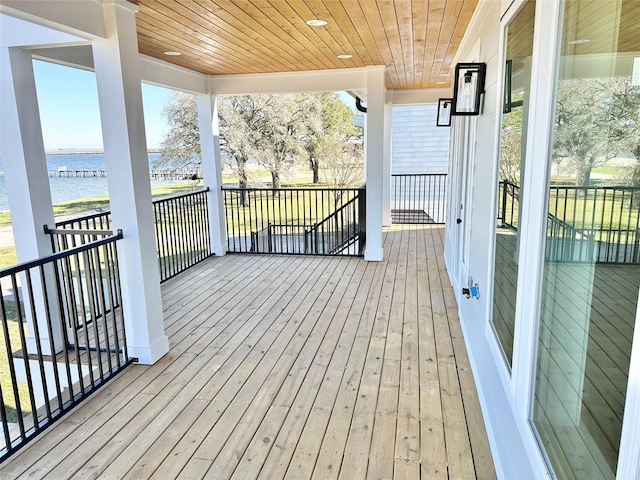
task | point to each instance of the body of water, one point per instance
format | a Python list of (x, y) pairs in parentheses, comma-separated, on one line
[(65, 189)]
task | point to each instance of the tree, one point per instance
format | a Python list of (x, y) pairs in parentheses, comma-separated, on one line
[(625, 116), (511, 146), (284, 126), (180, 147), (625, 130), (341, 162), (239, 126), (582, 125), (277, 131), (336, 126)]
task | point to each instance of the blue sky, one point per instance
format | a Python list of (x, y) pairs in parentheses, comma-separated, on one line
[(70, 115), (69, 111)]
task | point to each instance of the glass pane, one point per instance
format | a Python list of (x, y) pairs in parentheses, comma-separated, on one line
[(592, 266), (511, 162)]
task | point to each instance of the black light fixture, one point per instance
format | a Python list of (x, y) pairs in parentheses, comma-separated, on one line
[(445, 105), (468, 88)]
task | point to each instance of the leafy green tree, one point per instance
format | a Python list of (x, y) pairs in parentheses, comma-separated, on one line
[(336, 131)]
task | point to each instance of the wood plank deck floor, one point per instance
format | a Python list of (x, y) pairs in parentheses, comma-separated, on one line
[(289, 367)]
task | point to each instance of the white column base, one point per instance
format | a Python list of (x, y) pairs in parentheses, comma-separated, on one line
[(45, 346), (373, 254), (148, 355)]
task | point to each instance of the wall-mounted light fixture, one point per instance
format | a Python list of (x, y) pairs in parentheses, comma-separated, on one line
[(445, 105), (468, 88)]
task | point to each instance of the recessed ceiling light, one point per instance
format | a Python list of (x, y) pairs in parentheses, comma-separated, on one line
[(172, 54), (344, 55), (445, 75), (441, 83), (316, 22), (579, 41)]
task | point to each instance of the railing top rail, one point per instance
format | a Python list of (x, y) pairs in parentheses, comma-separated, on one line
[(595, 187), (181, 195), (567, 226), (84, 217), (60, 255), (76, 231), (107, 211), (419, 174), (335, 213), (294, 189), (296, 225)]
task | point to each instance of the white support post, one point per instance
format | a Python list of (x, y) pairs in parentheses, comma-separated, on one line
[(386, 179), (374, 160), (27, 183), (212, 170), (117, 67)]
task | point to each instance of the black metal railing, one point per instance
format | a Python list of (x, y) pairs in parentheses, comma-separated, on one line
[(313, 221), (598, 223), (182, 232), (181, 228), (62, 337), (566, 244), (96, 221), (419, 198), (508, 195), (339, 231)]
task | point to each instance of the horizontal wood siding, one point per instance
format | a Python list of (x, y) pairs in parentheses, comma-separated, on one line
[(418, 146)]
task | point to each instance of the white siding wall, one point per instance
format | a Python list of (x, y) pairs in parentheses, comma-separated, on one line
[(509, 433), (418, 146)]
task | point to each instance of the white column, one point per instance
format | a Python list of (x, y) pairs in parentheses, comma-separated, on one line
[(374, 160), (386, 179), (27, 180), (24, 161), (212, 170), (117, 68)]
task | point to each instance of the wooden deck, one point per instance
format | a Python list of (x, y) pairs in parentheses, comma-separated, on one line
[(289, 367)]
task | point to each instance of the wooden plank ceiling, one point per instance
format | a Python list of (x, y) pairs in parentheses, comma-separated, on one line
[(415, 39)]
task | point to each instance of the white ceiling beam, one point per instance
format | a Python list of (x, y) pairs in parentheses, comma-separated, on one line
[(292, 82), (420, 97), (84, 18)]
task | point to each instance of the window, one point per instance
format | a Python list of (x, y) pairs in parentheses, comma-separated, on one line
[(591, 274), (513, 140)]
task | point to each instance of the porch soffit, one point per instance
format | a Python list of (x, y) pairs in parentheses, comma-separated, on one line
[(415, 39)]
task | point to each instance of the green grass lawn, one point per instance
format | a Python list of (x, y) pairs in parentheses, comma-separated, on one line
[(612, 170), (5, 377), (87, 204), (290, 207), (595, 214), (8, 254)]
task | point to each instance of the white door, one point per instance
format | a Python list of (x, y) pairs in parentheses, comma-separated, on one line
[(461, 177)]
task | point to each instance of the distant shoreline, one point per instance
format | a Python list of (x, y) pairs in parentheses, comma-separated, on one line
[(85, 151)]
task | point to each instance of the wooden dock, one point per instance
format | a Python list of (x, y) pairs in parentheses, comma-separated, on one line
[(155, 174)]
